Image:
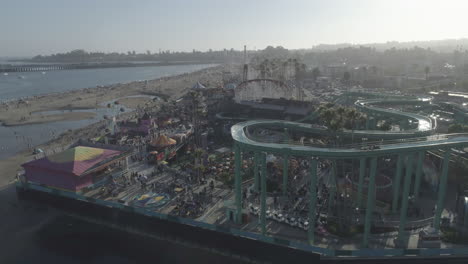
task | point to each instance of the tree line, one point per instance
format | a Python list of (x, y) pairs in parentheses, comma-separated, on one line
[(80, 55)]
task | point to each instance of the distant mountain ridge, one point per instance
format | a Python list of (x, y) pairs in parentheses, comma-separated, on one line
[(445, 45)]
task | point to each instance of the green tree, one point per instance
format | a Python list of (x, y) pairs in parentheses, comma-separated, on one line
[(346, 77), (315, 73), (352, 115), (199, 152), (457, 128), (331, 117), (197, 113), (385, 126), (427, 69)]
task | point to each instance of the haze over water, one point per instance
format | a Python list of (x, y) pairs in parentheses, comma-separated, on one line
[(36, 83)]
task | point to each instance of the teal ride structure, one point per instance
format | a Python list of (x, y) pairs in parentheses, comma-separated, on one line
[(407, 146)]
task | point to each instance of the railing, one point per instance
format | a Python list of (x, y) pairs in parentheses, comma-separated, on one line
[(394, 142)]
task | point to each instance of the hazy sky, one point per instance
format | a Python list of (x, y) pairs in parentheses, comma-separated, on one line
[(31, 27)]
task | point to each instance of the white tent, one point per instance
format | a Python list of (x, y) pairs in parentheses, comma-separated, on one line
[(198, 86)]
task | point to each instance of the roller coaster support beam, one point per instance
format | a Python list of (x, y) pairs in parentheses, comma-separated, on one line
[(396, 184), (238, 183), (313, 200), (404, 199), (370, 201), (263, 194), (442, 190), (417, 180), (286, 135), (331, 197), (374, 123), (285, 174), (362, 173), (256, 165)]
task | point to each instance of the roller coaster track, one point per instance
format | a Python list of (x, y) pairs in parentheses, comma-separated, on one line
[(273, 136), (392, 142)]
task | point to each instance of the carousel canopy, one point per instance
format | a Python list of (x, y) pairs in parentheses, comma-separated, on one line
[(163, 141)]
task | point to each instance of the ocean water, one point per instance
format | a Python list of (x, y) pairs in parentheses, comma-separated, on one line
[(17, 138), (24, 84)]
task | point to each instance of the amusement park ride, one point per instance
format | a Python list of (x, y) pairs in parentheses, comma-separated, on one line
[(407, 148)]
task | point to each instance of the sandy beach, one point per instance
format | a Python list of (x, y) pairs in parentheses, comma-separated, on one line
[(40, 119), (30, 110), (25, 111)]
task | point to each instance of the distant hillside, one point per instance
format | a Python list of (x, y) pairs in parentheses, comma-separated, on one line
[(82, 56), (446, 45)]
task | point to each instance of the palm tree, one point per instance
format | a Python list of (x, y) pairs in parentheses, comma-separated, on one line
[(315, 73), (262, 71), (327, 115), (263, 68), (196, 113), (274, 68), (346, 77), (352, 115), (340, 111), (296, 69), (198, 154), (374, 70), (332, 119), (427, 69), (284, 68), (198, 160)]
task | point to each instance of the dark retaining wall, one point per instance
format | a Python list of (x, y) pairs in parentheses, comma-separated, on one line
[(226, 243)]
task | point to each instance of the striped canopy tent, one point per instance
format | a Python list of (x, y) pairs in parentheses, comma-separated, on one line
[(78, 160), (73, 168), (163, 141)]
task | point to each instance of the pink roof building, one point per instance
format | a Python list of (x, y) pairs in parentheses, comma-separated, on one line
[(73, 168)]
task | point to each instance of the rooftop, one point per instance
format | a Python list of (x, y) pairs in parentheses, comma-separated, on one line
[(78, 160)]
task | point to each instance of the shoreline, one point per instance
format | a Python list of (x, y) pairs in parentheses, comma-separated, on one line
[(171, 87), (20, 111), (107, 64), (30, 66), (45, 119)]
